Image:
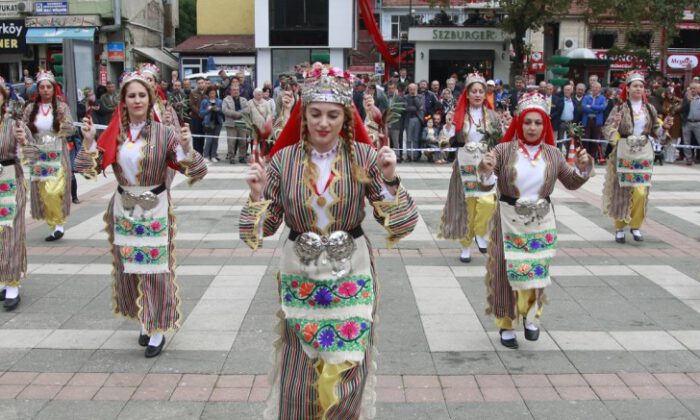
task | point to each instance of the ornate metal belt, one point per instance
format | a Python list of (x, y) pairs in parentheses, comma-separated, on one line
[(337, 247), (530, 211), (636, 143), (147, 200)]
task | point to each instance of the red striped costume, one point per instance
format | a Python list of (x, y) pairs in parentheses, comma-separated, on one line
[(500, 296), (13, 247), (289, 197), (153, 299)]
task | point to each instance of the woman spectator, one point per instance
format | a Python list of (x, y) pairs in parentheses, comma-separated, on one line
[(672, 107), (448, 101), (213, 118)]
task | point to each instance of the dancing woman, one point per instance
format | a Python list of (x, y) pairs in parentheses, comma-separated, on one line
[(525, 168), (139, 218), (322, 170)]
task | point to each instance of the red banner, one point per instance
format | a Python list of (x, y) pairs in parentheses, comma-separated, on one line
[(373, 29)]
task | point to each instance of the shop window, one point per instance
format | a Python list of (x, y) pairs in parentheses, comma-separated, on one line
[(399, 24), (295, 60), (686, 38), (298, 22), (603, 40), (640, 39)]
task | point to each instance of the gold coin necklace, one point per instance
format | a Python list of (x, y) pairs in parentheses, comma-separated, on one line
[(320, 199)]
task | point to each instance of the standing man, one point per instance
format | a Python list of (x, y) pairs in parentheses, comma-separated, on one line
[(196, 126), (109, 102), (566, 116), (594, 105), (395, 129), (415, 111), (690, 116), (403, 76), (516, 93), (430, 101), (490, 97), (232, 107), (179, 101), (578, 103), (556, 105)]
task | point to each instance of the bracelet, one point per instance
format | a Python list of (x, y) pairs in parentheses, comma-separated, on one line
[(393, 183)]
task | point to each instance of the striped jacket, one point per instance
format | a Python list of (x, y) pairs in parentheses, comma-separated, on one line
[(290, 198)]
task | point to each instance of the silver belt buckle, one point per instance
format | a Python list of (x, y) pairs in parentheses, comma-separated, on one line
[(636, 143), (338, 247), (146, 200)]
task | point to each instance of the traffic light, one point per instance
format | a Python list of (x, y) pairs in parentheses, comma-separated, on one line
[(57, 67)]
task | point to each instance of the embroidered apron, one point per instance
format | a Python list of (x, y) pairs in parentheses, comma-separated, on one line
[(469, 158), (48, 160), (331, 315), (635, 161), (141, 230), (529, 242), (8, 196)]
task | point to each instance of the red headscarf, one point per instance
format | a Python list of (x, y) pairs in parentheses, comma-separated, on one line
[(291, 133), (516, 127), (461, 108)]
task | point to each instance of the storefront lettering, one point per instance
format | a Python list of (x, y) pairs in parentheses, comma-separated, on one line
[(465, 35), (12, 38), (10, 29)]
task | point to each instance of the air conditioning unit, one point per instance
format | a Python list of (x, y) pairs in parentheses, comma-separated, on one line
[(24, 7), (403, 35), (570, 44)]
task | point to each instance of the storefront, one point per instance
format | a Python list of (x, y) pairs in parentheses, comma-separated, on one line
[(441, 51), (13, 49), (202, 53)]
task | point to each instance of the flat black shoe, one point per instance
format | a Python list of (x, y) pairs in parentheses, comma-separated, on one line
[(482, 250), (511, 344), (639, 237), (11, 304), (54, 236), (143, 340), (531, 335), (76, 201), (465, 260), (2, 295), (241, 160), (153, 351), (619, 240)]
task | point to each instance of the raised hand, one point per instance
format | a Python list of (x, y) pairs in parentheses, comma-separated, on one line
[(256, 179), (386, 159), (488, 162), (185, 138)]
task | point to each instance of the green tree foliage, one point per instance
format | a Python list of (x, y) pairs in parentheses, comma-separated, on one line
[(188, 20)]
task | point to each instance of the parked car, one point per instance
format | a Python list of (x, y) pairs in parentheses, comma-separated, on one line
[(214, 78)]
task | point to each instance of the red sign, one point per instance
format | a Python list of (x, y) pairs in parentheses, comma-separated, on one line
[(679, 63), (103, 75), (621, 62), (535, 62)]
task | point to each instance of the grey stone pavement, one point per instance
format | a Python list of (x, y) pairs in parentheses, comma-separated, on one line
[(620, 338)]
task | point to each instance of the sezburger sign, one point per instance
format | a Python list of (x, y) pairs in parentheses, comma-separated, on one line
[(682, 61)]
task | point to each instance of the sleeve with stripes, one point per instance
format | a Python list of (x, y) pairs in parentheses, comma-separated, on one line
[(263, 217)]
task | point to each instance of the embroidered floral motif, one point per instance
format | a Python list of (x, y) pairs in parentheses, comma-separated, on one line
[(333, 334), (7, 212), (528, 270), (44, 170), (155, 255), (149, 228), (632, 164), (50, 156), (534, 242), (468, 170), (634, 178), (302, 292), (8, 188)]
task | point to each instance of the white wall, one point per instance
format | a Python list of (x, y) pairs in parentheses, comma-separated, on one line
[(262, 24), (341, 22), (263, 65), (338, 58)]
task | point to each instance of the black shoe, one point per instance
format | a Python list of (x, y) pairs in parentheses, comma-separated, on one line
[(241, 160), (143, 340), (620, 240), (531, 335), (153, 351), (483, 250), (2, 295), (76, 201), (56, 235), (465, 260), (638, 236), (232, 161), (11, 304), (511, 344)]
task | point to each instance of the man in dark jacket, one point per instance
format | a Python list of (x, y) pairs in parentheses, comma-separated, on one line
[(196, 126), (396, 129)]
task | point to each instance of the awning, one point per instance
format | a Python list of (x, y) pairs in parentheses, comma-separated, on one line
[(158, 55), (57, 35)]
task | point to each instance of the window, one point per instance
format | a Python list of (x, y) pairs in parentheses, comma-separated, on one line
[(640, 39), (686, 38), (395, 26), (363, 27), (288, 60), (298, 22), (603, 40)]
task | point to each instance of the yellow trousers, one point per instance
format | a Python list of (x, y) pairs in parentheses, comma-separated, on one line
[(329, 377), (51, 193), (480, 210), (639, 195), (526, 298)]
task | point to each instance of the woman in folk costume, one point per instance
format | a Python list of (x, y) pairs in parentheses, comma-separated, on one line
[(322, 169), (468, 210), (525, 167), (13, 200), (51, 125), (629, 128), (139, 218)]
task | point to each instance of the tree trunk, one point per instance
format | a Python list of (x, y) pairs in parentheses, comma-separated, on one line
[(516, 65)]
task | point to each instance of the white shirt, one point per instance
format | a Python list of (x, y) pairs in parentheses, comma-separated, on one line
[(43, 122), (529, 178), (641, 121), (477, 115)]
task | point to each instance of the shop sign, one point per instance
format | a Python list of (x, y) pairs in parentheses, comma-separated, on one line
[(9, 8), (12, 36), (535, 62), (682, 62), (621, 62), (448, 34), (63, 21), (379, 68), (51, 7), (115, 51)]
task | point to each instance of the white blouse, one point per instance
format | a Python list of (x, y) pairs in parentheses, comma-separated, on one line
[(43, 122), (639, 118), (477, 115), (530, 178)]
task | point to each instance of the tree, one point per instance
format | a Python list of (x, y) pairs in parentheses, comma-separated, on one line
[(519, 16), (188, 20)]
